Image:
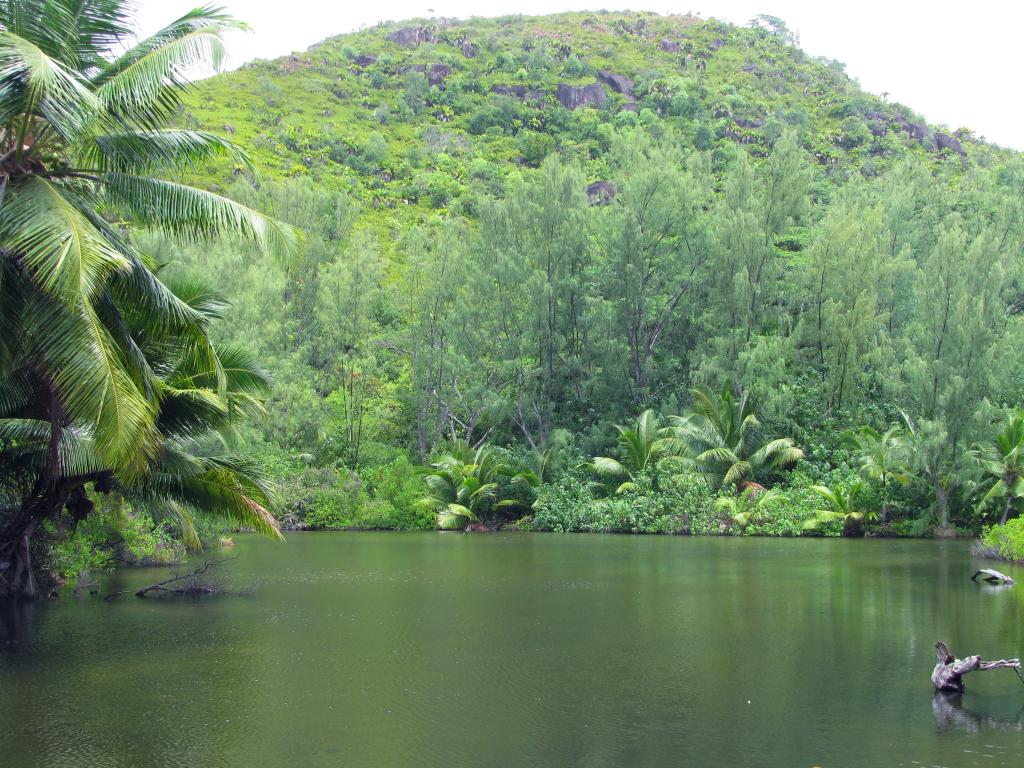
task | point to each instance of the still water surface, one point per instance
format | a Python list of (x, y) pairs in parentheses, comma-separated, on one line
[(400, 650)]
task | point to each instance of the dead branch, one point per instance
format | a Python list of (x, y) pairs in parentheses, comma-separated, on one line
[(192, 588), (949, 670), (992, 576)]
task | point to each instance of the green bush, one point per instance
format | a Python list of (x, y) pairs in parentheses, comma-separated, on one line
[(115, 534), (570, 504), (1005, 541)]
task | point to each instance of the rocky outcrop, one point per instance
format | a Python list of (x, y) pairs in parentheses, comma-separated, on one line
[(364, 60), (945, 141), (600, 192), (716, 44), (575, 96), (753, 122), (618, 83), (437, 74), (917, 131), (878, 128), (629, 106), (669, 46), (410, 37), (521, 92)]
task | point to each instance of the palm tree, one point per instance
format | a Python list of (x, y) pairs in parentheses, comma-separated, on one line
[(83, 146), (640, 448), (202, 393), (1002, 464), (743, 509), (465, 483), (881, 458), (842, 506), (723, 434)]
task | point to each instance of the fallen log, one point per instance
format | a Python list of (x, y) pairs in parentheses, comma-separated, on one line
[(192, 587), (949, 671), (992, 576)]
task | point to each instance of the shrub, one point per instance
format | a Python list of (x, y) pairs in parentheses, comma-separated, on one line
[(115, 534), (534, 147), (569, 504), (1004, 541)]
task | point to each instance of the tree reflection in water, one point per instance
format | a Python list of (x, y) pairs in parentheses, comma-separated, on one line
[(950, 713)]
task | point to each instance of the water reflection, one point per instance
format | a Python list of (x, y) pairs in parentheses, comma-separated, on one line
[(401, 650), (950, 713), (15, 621)]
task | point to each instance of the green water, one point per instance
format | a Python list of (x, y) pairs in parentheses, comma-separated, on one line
[(454, 650)]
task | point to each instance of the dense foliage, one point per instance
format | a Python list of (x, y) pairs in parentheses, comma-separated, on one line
[(109, 381), (494, 261), (522, 232)]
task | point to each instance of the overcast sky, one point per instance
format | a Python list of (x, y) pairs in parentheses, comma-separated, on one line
[(957, 63)]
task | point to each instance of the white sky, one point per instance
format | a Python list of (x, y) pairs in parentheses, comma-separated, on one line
[(956, 63)]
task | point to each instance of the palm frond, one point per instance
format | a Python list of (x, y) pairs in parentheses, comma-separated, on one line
[(195, 215), (86, 367), (32, 83), (605, 465), (145, 151), (143, 86), (59, 247)]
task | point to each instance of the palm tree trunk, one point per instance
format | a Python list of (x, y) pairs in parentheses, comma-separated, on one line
[(1006, 508)]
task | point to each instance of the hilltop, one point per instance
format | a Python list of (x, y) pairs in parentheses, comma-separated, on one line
[(429, 112)]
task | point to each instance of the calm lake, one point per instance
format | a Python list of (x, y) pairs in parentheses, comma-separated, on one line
[(379, 650)]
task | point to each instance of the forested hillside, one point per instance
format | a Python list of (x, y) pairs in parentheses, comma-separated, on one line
[(524, 231)]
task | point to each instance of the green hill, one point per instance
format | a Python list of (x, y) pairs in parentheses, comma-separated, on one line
[(416, 112), (525, 230)]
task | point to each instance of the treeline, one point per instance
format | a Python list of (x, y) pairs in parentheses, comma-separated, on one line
[(551, 316)]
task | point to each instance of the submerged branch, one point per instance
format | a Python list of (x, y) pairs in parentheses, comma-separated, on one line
[(192, 587)]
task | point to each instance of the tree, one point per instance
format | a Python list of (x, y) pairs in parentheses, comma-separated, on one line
[(466, 483), (641, 447), (82, 145), (744, 509), (651, 250), (532, 260), (881, 458), (939, 468), (1002, 464), (723, 434), (202, 394), (842, 507)]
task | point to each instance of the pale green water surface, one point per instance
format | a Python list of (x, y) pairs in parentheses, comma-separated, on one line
[(514, 650)]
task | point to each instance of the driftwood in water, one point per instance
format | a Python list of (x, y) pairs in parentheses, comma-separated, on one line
[(949, 671), (992, 576), (192, 586)]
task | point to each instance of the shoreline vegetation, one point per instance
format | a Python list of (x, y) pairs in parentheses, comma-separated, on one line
[(595, 272)]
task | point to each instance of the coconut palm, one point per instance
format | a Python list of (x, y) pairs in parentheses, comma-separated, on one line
[(201, 393), (841, 506), (723, 434), (465, 483), (1002, 464), (744, 508), (641, 447), (83, 150), (882, 458)]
